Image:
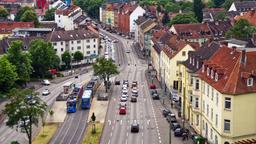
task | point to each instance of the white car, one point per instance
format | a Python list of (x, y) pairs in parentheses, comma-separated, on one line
[(134, 91), (46, 82), (124, 95), (125, 91), (123, 99), (122, 104), (45, 92)]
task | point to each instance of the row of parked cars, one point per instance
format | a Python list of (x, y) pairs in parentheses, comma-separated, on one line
[(124, 99)]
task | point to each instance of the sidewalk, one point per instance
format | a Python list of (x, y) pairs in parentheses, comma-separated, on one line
[(166, 103)]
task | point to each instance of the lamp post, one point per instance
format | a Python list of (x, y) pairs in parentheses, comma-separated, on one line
[(170, 133)]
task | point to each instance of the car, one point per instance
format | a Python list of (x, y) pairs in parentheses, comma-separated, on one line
[(135, 94), (122, 104), (175, 125), (178, 132), (165, 112), (45, 82), (135, 128), (152, 86), (133, 99), (125, 91), (102, 97), (127, 51), (123, 99), (115, 41), (171, 119), (124, 95), (174, 96), (117, 82), (45, 92), (122, 110), (126, 82), (76, 76), (153, 91), (134, 84), (134, 91), (155, 96)]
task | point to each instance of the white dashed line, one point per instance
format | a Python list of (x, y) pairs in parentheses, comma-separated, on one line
[(111, 134)]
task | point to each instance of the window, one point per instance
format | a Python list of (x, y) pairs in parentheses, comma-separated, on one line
[(250, 82), (197, 120), (72, 48), (88, 40), (217, 98), (203, 106), (212, 74), (88, 46), (54, 43), (94, 52), (55, 49), (211, 134), (88, 52), (197, 64), (203, 87), (208, 71), (191, 99), (212, 114), (197, 84), (61, 49), (203, 69), (191, 80), (193, 62), (196, 103), (216, 139), (227, 103), (208, 90), (226, 125), (72, 42), (183, 53), (61, 43), (207, 110), (78, 42), (79, 47), (216, 120), (190, 59), (212, 93), (94, 40), (94, 46), (216, 77)]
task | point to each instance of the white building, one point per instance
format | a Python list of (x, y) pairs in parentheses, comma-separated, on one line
[(139, 11), (81, 40)]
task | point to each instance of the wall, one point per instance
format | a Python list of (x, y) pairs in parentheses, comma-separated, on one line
[(139, 11)]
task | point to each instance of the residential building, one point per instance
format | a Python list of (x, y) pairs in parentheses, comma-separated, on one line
[(7, 27), (219, 28), (250, 16), (40, 14), (21, 3), (81, 40), (198, 32), (209, 14), (28, 32), (138, 22), (107, 14), (242, 6), (228, 92), (247, 44), (41, 4)]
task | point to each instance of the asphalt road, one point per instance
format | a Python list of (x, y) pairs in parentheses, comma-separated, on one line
[(7, 135)]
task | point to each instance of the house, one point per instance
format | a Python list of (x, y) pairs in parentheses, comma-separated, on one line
[(190, 82), (228, 92), (219, 28), (198, 32), (21, 3), (138, 22), (28, 32), (81, 40), (65, 18), (209, 14), (250, 16), (40, 14), (6, 27), (108, 14), (242, 6), (247, 44)]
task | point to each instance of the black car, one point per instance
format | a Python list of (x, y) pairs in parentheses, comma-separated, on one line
[(133, 99), (135, 127), (117, 82), (171, 119), (165, 112), (155, 96), (126, 82), (153, 91), (175, 126), (178, 132)]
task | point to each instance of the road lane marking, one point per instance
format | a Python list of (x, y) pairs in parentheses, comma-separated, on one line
[(109, 141), (142, 141), (127, 134), (111, 134), (126, 142), (121, 122), (109, 122), (112, 127)]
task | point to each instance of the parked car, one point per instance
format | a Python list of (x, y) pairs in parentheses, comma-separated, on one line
[(175, 126), (46, 92), (125, 91), (122, 104), (179, 132), (153, 91), (152, 86), (135, 127), (123, 99), (122, 110), (155, 96), (133, 99), (45, 82), (117, 82), (171, 119), (165, 112)]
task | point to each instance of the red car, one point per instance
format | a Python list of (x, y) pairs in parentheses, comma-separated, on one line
[(152, 86), (122, 110)]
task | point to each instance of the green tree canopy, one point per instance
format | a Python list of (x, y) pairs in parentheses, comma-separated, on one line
[(21, 12), (49, 14), (66, 58), (227, 4), (198, 10), (43, 57), (24, 110), (8, 74), (183, 19), (220, 16), (186, 6), (30, 16), (172, 7), (91, 7), (105, 68), (78, 56), (218, 3), (241, 30), (165, 19), (3, 12), (147, 2), (21, 60)]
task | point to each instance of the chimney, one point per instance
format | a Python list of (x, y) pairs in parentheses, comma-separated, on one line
[(233, 50), (243, 57)]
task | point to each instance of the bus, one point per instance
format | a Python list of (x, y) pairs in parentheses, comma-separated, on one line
[(86, 99), (71, 105), (78, 91)]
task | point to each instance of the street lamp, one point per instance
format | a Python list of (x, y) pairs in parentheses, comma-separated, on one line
[(170, 133)]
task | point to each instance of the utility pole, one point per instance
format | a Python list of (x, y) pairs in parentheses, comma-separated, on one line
[(170, 133)]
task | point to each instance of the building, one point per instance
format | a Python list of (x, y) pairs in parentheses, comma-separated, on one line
[(7, 27), (108, 13), (209, 14), (250, 16), (138, 22), (242, 6), (219, 28), (66, 18), (28, 32), (198, 32), (22, 3), (81, 40), (228, 91)]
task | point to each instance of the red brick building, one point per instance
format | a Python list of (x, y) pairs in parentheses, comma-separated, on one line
[(124, 18)]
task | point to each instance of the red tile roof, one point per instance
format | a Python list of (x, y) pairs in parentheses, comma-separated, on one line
[(213, 10), (232, 72), (249, 16), (7, 27), (158, 34), (193, 31), (40, 12), (67, 11), (173, 46)]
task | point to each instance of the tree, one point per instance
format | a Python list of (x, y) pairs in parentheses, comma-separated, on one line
[(66, 58), (8, 75), (91, 7), (3, 12), (227, 4), (21, 12), (198, 10), (105, 68), (43, 57), (24, 110), (172, 7), (49, 14), (183, 19), (165, 19), (220, 16), (186, 6), (218, 3), (78, 56), (21, 60), (30, 16), (241, 30)]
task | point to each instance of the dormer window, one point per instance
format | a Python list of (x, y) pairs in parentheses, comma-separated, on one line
[(203, 69), (250, 82), (190, 60), (208, 71), (212, 74), (193, 61), (216, 77), (197, 64)]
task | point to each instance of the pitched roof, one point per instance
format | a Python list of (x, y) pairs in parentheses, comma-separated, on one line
[(219, 28), (147, 23), (140, 20), (250, 16), (193, 31), (245, 5), (67, 11), (128, 8), (71, 35), (7, 27), (233, 68)]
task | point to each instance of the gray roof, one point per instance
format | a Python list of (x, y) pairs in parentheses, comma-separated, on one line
[(33, 29), (245, 5), (237, 41)]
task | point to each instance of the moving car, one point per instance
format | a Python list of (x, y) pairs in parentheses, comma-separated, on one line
[(117, 82), (165, 112), (134, 84), (126, 82), (122, 104), (123, 99), (134, 91), (152, 86), (135, 127), (46, 82), (122, 110), (155, 96), (125, 91), (133, 99), (45, 92)]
